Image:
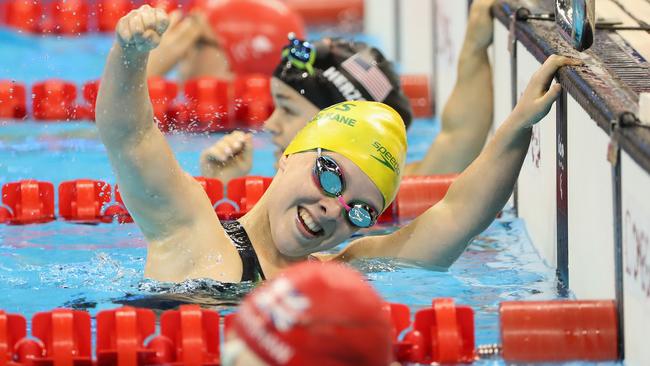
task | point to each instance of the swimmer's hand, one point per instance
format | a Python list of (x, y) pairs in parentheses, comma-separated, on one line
[(228, 158), (140, 30), (537, 99)]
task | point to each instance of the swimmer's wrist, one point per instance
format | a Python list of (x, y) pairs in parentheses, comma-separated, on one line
[(519, 121), (130, 55)]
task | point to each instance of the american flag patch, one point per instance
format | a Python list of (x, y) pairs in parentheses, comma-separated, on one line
[(369, 76)]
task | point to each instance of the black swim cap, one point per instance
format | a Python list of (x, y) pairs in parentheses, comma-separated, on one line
[(344, 70)]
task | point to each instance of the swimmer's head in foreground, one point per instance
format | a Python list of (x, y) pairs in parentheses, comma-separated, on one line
[(314, 76), (299, 319), (353, 152)]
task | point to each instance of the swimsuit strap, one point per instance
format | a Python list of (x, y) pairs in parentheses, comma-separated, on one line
[(251, 268)]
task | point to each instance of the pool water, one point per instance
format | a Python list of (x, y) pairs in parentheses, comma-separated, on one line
[(97, 267)]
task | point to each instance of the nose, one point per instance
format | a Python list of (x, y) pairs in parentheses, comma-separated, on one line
[(271, 124), (331, 208)]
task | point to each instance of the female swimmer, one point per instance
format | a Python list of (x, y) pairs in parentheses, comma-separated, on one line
[(314, 76), (335, 177)]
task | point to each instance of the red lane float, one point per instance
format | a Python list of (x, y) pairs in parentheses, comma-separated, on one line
[(167, 5), (5, 214), (25, 15), (418, 193), (121, 334), (388, 215), (162, 94), (247, 191), (29, 201), (537, 331), (82, 200), (194, 333), (13, 328), (210, 104), (267, 23), (400, 319), (54, 100), (70, 16), (66, 337), (89, 93), (207, 102), (253, 101), (109, 13), (13, 102), (417, 89), (212, 187), (228, 320), (556, 331), (443, 333), (118, 210)]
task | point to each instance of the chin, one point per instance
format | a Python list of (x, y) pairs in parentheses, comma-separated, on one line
[(291, 251), (289, 247), (286, 243)]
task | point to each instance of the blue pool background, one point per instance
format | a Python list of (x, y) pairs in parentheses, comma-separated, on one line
[(96, 267)]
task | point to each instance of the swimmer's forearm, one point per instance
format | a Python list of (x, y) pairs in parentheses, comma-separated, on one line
[(482, 190), (123, 107), (466, 118), (162, 61), (440, 235)]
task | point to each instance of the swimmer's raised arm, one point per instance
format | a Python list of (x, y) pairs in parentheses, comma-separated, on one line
[(169, 206), (467, 115), (441, 234)]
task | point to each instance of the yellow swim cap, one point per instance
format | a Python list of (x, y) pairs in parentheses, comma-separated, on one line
[(371, 134)]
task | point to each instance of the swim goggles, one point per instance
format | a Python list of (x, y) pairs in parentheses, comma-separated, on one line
[(301, 54), (328, 175)]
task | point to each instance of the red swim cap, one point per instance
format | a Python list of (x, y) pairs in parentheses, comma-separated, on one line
[(252, 32), (320, 314)]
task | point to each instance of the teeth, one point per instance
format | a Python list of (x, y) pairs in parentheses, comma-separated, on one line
[(309, 221)]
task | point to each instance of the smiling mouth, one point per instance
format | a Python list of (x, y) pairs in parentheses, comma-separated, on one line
[(308, 224)]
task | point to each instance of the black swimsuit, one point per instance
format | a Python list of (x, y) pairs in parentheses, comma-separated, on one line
[(252, 271)]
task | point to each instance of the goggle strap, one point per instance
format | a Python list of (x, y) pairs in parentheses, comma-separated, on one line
[(343, 203)]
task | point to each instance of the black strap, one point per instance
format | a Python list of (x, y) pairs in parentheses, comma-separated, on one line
[(252, 270)]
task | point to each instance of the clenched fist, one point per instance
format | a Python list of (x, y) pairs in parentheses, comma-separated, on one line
[(228, 158), (141, 29)]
